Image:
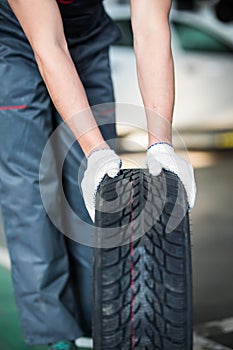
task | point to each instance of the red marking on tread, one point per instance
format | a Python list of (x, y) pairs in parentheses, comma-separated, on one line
[(132, 264), (5, 108)]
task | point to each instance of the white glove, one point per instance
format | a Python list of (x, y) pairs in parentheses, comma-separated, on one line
[(99, 163), (162, 155)]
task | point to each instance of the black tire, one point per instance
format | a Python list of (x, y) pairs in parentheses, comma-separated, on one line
[(143, 286)]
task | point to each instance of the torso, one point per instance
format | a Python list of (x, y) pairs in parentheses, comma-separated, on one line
[(76, 8), (79, 15)]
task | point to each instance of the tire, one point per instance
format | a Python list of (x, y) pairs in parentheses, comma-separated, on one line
[(142, 282)]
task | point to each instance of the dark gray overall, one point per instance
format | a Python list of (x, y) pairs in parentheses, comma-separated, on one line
[(52, 275)]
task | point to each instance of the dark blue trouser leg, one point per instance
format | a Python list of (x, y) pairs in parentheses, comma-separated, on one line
[(40, 266), (52, 275)]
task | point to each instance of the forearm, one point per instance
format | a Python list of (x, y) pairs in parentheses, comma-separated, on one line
[(42, 25), (156, 78), (69, 97)]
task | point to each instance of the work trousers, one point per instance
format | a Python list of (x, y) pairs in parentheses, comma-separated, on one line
[(52, 274)]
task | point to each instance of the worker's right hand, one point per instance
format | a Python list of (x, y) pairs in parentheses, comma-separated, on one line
[(99, 163), (162, 155)]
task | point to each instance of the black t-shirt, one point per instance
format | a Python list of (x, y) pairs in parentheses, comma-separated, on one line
[(76, 8), (78, 15), (82, 19)]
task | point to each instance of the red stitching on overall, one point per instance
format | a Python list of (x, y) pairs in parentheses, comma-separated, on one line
[(5, 108)]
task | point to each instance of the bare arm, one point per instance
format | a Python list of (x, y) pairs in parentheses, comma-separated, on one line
[(42, 24), (152, 46)]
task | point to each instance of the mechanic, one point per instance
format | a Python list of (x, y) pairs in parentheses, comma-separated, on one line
[(54, 64)]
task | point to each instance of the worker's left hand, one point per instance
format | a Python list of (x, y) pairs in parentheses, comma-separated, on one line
[(99, 163), (162, 155)]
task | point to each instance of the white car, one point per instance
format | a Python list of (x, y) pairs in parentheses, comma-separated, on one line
[(203, 52)]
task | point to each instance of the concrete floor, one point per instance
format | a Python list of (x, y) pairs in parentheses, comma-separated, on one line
[(212, 226)]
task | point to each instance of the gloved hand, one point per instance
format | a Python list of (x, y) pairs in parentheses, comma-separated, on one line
[(99, 163), (162, 155)]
